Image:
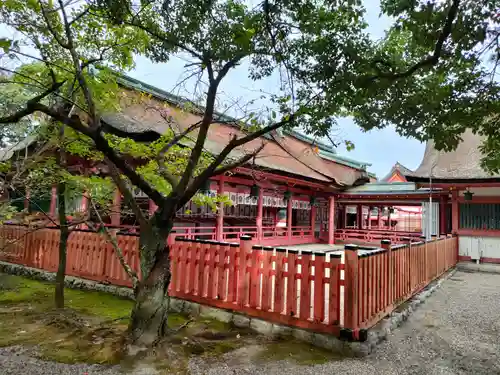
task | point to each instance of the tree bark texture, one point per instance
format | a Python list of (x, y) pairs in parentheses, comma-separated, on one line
[(148, 321), (63, 245)]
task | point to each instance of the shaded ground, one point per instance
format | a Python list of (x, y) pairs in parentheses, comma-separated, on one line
[(455, 332)]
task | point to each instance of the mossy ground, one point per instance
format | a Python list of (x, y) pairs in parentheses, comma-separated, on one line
[(92, 329)]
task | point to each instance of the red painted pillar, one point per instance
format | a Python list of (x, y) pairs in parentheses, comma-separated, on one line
[(27, 199), (442, 215), (379, 217), (345, 217), (53, 201), (454, 211), (389, 218), (152, 207), (351, 288), (260, 214), (219, 225), (289, 218), (359, 216), (369, 218), (85, 202), (331, 220), (313, 220), (116, 208)]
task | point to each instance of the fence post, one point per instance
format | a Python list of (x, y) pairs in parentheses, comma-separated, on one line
[(386, 244), (351, 326), (243, 286)]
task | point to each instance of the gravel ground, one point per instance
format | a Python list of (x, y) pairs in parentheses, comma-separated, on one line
[(455, 332)]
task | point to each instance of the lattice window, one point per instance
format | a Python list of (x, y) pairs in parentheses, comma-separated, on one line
[(482, 216)]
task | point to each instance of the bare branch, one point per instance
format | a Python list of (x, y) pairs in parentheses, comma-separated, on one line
[(118, 251), (125, 190), (53, 32)]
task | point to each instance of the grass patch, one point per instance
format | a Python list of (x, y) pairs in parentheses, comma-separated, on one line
[(296, 351)]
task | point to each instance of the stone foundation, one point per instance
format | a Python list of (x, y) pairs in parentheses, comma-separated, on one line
[(374, 336)]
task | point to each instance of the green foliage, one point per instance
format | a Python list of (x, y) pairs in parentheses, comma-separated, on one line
[(439, 101)]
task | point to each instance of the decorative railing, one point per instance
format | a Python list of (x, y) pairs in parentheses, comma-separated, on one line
[(369, 236)]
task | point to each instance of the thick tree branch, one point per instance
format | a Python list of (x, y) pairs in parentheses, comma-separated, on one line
[(238, 163), (101, 143), (432, 59), (30, 105)]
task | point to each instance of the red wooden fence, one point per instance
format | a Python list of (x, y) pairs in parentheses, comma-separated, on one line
[(301, 289), (89, 254), (377, 282), (278, 285)]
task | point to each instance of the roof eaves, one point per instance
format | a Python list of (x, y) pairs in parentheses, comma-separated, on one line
[(326, 151), (343, 160)]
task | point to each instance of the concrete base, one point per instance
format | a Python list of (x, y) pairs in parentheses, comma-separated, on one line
[(375, 335), (478, 267)]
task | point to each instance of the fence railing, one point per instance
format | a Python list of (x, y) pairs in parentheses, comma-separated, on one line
[(366, 236), (378, 281), (302, 289), (278, 285), (89, 254)]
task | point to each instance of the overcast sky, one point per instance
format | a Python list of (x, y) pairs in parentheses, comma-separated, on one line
[(381, 148)]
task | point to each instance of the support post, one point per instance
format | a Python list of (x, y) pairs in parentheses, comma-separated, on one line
[(245, 250), (386, 244), (313, 220), (27, 200), (368, 218), (289, 219), (389, 218), (260, 214), (454, 212), (351, 289), (379, 217), (116, 208), (442, 215), (331, 220), (152, 207), (53, 201), (219, 225), (359, 216), (84, 207)]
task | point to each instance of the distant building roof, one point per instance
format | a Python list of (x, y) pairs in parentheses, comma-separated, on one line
[(462, 164), (397, 168)]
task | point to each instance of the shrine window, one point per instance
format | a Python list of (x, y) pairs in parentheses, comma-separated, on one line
[(480, 216)]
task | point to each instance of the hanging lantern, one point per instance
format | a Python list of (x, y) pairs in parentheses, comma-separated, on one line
[(255, 191), (312, 200), (287, 195), (205, 189), (468, 195)]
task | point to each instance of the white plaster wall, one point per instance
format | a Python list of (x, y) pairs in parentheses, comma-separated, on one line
[(478, 247)]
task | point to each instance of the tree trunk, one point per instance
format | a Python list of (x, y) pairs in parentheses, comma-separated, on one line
[(148, 321), (63, 244)]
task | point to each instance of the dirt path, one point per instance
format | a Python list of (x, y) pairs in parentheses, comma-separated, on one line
[(455, 332)]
